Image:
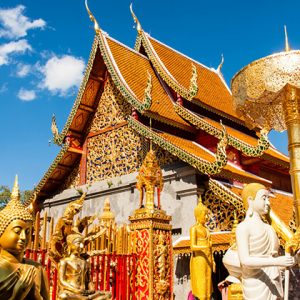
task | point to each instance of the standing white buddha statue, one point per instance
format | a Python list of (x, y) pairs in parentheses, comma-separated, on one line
[(257, 245)]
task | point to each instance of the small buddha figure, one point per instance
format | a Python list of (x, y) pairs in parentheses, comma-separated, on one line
[(74, 278), (257, 245), (201, 264), (20, 278)]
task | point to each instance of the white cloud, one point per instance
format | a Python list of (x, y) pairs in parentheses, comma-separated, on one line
[(23, 70), (62, 73), (26, 95), (3, 88), (12, 47), (15, 25)]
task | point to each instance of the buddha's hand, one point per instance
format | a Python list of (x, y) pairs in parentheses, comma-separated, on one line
[(24, 284), (284, 261)]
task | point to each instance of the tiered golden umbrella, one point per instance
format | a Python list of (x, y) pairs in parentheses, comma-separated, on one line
[(267, 94)]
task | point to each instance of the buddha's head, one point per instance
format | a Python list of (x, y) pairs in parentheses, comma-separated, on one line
[(201, 212), (15, 224), (75, 242), (256, 198)]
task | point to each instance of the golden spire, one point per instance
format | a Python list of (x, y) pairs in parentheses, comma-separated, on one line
[(221, 64), (136, 20), (92, 18), (15, 192), (287, 46), (107, 214)]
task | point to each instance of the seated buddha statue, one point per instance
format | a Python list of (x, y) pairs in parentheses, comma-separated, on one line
[(257, 245), (201, 263), (74, 278), (20, 278)]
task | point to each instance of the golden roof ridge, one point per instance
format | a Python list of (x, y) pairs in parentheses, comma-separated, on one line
[(197, 101), (201, 164), (127, 47), (188, 93), (233, 165), (201, 123)]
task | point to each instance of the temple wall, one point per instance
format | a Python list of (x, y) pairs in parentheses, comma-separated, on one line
[(178, 199)]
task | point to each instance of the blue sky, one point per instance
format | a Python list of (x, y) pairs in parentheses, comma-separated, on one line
[(44, 46)]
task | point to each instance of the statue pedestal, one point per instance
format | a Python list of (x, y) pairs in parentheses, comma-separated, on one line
[(152, 242)]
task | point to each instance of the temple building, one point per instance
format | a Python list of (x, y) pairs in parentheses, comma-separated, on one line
[(153, 94)]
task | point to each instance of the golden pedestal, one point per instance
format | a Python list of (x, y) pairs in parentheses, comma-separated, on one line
[(152, 243)]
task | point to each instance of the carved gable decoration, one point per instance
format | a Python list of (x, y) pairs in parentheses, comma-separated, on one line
[(112, 108)]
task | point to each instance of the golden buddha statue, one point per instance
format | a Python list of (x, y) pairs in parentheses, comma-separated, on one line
[(74, 278), (20, 278), (201, 264)]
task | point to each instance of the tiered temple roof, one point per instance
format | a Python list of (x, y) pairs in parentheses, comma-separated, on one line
[(185, 100)]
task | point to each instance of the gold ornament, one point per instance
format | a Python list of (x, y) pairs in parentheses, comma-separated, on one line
[(20, 278), (201, 264)]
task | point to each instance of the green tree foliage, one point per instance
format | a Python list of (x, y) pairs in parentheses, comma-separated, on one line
[(5, 195)]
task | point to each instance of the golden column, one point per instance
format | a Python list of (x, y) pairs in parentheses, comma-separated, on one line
[(151, 236), (267, 94)]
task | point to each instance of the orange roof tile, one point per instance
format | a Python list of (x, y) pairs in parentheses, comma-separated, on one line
[(134, 68), (212, 91), (229, 171), (220, 241)]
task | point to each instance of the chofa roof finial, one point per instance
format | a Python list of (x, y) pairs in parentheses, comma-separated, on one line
[(92, 18), (287, 46), (136, 20), (221, 64)]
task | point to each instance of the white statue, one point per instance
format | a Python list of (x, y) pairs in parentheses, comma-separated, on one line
[(257, 246)]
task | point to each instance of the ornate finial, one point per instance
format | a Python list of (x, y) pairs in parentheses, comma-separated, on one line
[(15, 193), (150, 176), (107, 214), (221, 64), (287, 46), (54, 128), (136, 20), (92, 18)]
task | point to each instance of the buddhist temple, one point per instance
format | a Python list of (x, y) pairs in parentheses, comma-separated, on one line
[(152, 96)]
